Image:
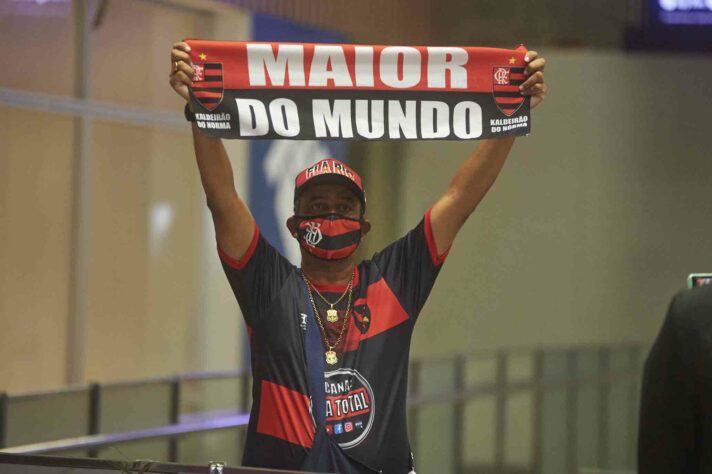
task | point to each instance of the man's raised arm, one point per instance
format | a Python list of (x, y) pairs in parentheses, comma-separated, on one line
[(234, 224), (478, 173)]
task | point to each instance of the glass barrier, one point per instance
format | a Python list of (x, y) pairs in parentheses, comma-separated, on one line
[(47, 416)]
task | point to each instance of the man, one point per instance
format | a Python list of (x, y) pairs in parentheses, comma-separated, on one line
[(365, 312), (676, 405)]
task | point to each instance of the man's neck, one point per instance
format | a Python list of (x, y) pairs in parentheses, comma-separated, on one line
[(327, 272)]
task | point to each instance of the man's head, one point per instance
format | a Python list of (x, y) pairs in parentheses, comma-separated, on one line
[(329, 207)]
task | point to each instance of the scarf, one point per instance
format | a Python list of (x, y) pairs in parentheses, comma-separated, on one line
[(305, 91)]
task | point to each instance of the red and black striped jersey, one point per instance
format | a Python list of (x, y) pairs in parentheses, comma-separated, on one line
[(366, 389)]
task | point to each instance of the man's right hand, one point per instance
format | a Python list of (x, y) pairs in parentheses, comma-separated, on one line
[(181, 76)]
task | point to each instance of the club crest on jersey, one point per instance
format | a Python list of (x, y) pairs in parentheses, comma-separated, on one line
[(208, 84), (362, 315), (505, 88), (313, 233)]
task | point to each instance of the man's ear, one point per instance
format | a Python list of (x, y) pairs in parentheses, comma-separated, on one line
[(365, 227), (292, 226)]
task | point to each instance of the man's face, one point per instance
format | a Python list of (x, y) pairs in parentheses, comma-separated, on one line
[(329, 198)]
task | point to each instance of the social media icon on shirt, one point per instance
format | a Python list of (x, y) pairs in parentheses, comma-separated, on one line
[(338, 428), (348, 427)]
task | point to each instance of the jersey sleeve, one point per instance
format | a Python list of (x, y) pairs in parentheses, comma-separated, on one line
[(256, 278), (411, 265)]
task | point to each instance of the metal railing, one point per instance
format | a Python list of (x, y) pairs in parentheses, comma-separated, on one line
[(17, 464), (573, 397), (177, 423)]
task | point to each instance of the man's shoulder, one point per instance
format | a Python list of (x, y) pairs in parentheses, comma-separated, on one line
[(692, 309), (695, 299)]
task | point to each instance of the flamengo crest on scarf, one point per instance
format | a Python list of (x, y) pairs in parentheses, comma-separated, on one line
[(308, 91)]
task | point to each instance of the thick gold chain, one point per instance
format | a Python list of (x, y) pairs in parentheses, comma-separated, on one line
[(318, 318)]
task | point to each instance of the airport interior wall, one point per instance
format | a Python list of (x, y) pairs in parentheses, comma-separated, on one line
[(597, 219)]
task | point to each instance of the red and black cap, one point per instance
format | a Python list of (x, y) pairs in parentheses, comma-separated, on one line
[(330, 170)]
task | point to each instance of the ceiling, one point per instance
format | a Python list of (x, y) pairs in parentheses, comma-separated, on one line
[(593, 23)]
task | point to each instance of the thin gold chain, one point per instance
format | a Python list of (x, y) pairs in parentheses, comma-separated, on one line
[(321, 324), (348, 289), (318, 318)]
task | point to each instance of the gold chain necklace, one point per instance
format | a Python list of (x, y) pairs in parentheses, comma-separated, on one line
[(330, 354), (331, 314)]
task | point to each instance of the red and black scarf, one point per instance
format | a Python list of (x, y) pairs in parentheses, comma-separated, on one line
[(310, 91)]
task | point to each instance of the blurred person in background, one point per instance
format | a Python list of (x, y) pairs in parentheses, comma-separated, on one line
[(365, 311), (675, 435)]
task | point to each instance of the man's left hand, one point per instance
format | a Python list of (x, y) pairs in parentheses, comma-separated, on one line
[(534, 86)]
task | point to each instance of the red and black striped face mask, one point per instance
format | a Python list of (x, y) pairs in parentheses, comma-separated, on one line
[(329, 236)]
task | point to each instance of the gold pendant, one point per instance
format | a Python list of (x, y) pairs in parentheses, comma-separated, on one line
[(331, 315), (331, 358)]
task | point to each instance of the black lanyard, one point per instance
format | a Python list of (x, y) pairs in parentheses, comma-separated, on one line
[(315, 362)]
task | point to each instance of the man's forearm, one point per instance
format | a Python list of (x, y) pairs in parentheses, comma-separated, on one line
[(469, 185), (215, 169), (234, 225), (477, 175)]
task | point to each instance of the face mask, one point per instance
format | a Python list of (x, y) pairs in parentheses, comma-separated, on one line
[(329, 236)]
